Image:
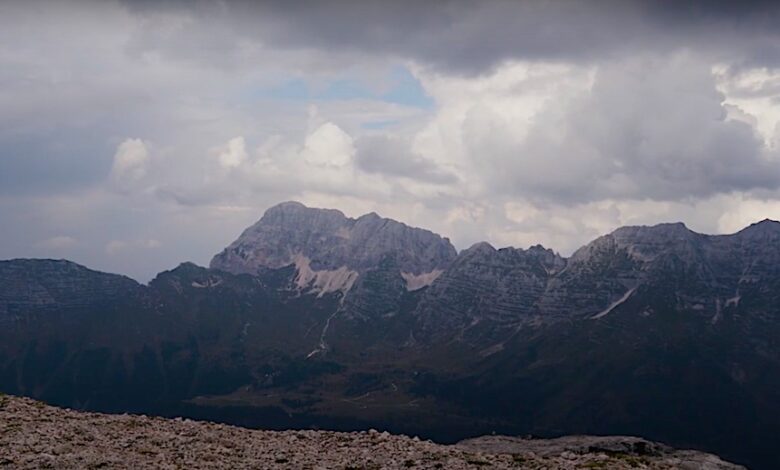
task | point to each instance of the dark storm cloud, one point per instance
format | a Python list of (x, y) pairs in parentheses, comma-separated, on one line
[(472, 37)]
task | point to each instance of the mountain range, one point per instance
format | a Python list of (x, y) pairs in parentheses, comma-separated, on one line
[(314, 319)]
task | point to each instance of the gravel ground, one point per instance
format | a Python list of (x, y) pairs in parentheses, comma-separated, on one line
[(34, 435)]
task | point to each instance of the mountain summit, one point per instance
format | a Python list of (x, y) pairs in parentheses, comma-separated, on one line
[(330, 251)]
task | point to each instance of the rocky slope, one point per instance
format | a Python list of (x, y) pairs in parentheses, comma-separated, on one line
[(611, 270), (31, 285), (486, 292), (34, 435)]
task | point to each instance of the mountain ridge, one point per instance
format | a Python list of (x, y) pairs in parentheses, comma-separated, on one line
[(673, 228), (766, 225), (656, 331)]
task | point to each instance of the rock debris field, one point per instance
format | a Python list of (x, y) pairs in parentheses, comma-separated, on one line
[(34, 435)]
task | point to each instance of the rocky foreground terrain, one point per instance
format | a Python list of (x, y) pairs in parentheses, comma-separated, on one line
[(35, 435)]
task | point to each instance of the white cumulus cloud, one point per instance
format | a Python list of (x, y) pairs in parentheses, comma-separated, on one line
[(131, 162), (328, 146), (233, 154)]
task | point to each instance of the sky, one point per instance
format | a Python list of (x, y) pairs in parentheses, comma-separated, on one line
[(135, 135)]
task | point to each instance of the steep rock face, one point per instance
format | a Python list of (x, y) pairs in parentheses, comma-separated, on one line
[(746, 274), (487, 292), (376, 293), (753, 251), (704, 273), (488, 289), (331, 250), (605, 273)]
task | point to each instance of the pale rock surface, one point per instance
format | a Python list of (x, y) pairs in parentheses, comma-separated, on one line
[(329, 240), (34, 435)]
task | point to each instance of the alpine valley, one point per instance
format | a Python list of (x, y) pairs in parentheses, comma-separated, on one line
[(311, 319)]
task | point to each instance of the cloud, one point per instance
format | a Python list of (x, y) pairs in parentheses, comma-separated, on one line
[(392, 155), (59, 242), (457, 36), (328, 146), (131, 162), (151, 243), (115, 247), (645, 128), (279, 166), (742, 211), (233, 154)]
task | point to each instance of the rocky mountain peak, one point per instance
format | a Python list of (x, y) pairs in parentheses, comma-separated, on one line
[(370, 216), (769, 223), (331, 250), (535, 257), (294, 215), (641, 243), (286, 206), (479, 248), (766, 228), (634, 234)]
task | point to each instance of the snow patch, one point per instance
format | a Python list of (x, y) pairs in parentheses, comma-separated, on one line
[(614, 304), (323, 281), (418, 281)]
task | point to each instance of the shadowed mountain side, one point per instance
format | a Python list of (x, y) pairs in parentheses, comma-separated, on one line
[(329, 321)]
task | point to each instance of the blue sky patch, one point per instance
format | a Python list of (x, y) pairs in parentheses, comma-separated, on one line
[(404, 90)]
